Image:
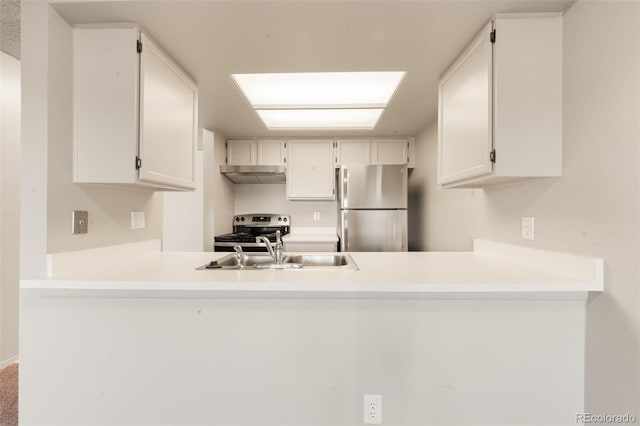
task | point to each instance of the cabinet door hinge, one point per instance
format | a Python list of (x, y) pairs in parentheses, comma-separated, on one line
[(138, 46), (138, 163), (492, 36), (492, 156)]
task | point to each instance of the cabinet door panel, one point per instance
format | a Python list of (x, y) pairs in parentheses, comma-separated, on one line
[(465, 114), (168, 106), (390, 151), (241, 152), (354, 151), (105, 104), (310, 170), (271, 152)]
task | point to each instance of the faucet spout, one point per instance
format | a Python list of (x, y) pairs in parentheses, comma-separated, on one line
[(276, 254), (266, 242)]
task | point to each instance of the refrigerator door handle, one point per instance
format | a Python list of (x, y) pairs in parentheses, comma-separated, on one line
[(345, 197), (345, 232)]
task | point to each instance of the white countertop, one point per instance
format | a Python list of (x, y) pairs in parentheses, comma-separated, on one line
[(490, 268)]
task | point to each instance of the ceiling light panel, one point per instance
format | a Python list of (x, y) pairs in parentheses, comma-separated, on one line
[(320, 118), (319, 90)]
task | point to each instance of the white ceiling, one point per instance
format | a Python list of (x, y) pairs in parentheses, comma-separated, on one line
[(213, 39)]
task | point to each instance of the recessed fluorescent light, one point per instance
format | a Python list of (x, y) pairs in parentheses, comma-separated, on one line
[(319, 89), (320, 118)]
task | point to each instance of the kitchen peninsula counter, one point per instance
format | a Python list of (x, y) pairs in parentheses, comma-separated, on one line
[(434, 330), (490, 268)]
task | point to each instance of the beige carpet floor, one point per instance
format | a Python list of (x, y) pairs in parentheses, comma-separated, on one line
[(9, 396)]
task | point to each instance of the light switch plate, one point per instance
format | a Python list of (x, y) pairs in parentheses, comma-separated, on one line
[(526, 228), (79, 222), (137, 220)]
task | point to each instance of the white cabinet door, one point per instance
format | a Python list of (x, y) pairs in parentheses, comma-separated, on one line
[(168, 117), (465, 113), (242, 152), (353, 151), (271, 152), (310, 169), (390, 151), (105, 137)]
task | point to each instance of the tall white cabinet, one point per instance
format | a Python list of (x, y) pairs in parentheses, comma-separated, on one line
[(500, 104), (135, 111)]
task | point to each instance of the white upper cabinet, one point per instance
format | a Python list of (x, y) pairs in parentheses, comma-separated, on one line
[(242, 152), (135, 111), (310, 169), (251, 152), (271, 152), (376, 151), (390, 151), (353, 151), (500, 102)]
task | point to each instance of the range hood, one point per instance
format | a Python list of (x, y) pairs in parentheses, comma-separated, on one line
[(254, 174)]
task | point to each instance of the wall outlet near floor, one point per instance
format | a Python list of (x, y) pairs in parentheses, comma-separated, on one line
[(316, 215), (137, 220), (372, 410), (526, 228)]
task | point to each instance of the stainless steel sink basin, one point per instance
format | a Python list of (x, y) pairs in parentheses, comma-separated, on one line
[(333, 260), (231, 261), (264, 261)]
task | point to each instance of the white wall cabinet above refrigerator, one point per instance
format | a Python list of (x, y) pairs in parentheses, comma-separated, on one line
[(310, 169), (500, 104), (135, 111), (251, 152), (364, 151)]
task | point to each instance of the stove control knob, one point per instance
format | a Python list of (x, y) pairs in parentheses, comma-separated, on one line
[(285, 219), (242, 218), (279, 219), (237, 219)]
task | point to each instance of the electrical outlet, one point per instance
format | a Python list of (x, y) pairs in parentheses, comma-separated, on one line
[(137, 220), (526, 228), (372, 410), (316, 215)]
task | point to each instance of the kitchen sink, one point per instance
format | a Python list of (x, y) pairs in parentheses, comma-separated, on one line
[(264, 261), (322, 260), (231, 261)]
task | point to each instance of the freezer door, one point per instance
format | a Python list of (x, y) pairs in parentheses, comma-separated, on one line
[(373, 230), (373, 187)]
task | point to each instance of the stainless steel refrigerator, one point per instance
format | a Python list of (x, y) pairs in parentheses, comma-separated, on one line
[(372, 202)]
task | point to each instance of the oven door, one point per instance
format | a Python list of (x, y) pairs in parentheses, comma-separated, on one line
[(246, 247)]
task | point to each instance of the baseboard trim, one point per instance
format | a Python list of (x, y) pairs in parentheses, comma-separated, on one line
[(8, 362)]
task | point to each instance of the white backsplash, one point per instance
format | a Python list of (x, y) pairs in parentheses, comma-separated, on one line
[(254, 198)]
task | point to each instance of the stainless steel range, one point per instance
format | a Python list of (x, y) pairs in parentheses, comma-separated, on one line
[(247, 227)]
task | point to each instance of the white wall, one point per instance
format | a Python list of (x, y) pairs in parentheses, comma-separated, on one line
[(220, 197), (182, 215), (272, 198), (34, 118), (9, 206), (593, 209)]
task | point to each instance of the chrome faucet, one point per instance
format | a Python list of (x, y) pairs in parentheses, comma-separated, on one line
[(276, 254), (238, 249)]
